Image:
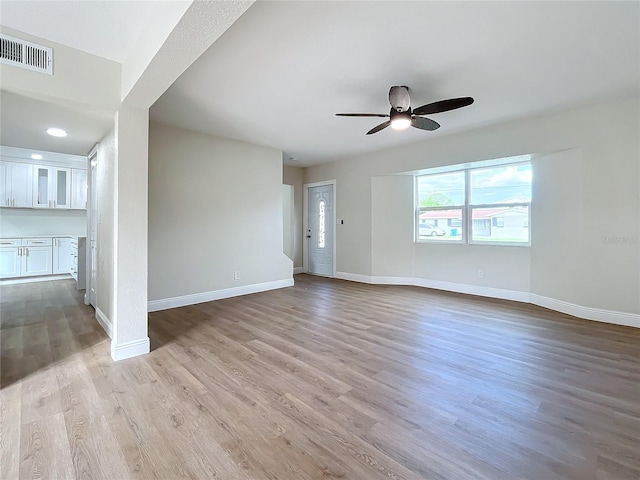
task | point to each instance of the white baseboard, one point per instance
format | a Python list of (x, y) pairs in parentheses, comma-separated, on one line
[(297, 270), (503, 294), (166, 303), (43, 278), (104, 321), (589, 313), (130, 349)]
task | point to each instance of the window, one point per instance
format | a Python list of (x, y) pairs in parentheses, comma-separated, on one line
[(440, 205), (475, 204)]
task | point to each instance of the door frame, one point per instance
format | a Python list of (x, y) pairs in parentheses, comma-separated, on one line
[(91, 189), (305, 224)]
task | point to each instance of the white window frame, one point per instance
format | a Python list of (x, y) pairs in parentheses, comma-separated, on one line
[(468, 207)]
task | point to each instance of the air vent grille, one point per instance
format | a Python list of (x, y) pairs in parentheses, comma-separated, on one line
[(21, 53)]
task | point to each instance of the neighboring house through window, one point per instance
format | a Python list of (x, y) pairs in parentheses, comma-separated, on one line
[(482, 202)]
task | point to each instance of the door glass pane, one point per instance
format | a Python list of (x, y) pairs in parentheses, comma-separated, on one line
[(43, 186), (321, 224), (62, 187)]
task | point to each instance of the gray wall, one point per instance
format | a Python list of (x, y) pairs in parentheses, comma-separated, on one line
[(294, 176), (215, 207), (585, 211)]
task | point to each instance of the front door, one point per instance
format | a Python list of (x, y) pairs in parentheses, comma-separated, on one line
[(320, 230)]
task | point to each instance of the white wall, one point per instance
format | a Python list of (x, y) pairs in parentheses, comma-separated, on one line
[(585, 213), (294, 176), (287, 220), (19, 222), (105, 180), (215, 207), (162, 19), (177, 34), (79, 78), (129, 201)]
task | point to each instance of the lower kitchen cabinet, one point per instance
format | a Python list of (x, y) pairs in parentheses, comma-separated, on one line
[(62, 255), (25, 261), (78, 261), (9, 259), (40, 256), (36, 261)]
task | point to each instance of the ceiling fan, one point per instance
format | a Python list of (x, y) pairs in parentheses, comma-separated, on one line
[(401, 116)]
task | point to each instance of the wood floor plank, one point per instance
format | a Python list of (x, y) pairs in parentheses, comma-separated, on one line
[(10, 427), (44, 449), (328, 379)]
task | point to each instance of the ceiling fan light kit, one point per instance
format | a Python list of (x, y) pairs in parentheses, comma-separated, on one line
[(401, 121), (401, 116)]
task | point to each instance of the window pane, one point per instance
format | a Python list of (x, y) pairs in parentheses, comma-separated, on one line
[(506, 184), (321, 224), (440, 225), (441, 190), (500, 224)]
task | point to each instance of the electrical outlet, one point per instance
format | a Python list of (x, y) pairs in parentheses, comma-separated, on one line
[(480, 273), (236, 275)]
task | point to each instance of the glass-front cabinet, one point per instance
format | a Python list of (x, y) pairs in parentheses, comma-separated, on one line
[(51, 187)]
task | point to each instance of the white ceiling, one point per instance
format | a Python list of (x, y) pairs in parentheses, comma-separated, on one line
[(106, 28), (24, 122), (282, 71)]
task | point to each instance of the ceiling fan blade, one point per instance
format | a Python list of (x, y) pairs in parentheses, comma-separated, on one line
[(380, 127), (383, 115), (424, 123), (443, 106)]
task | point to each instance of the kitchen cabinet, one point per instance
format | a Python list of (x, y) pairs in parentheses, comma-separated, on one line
[(78, 189), (79, 261), (62, 255), (51, 187), (9, 258), (16, 185), (25, 257), (36, 261)]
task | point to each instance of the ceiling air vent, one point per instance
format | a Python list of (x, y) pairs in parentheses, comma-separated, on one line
[(21, 53)]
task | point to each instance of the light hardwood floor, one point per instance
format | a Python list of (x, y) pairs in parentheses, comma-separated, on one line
[(328, 379)]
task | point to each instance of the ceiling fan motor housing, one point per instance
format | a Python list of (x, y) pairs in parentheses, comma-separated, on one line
[(399, 98)]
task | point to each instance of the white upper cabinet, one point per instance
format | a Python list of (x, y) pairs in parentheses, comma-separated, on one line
[(52, 181), (78, 189), (51, 187), (16, 184)]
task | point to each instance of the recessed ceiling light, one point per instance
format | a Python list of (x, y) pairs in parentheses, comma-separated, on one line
[(56, 132), (36, 156)]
